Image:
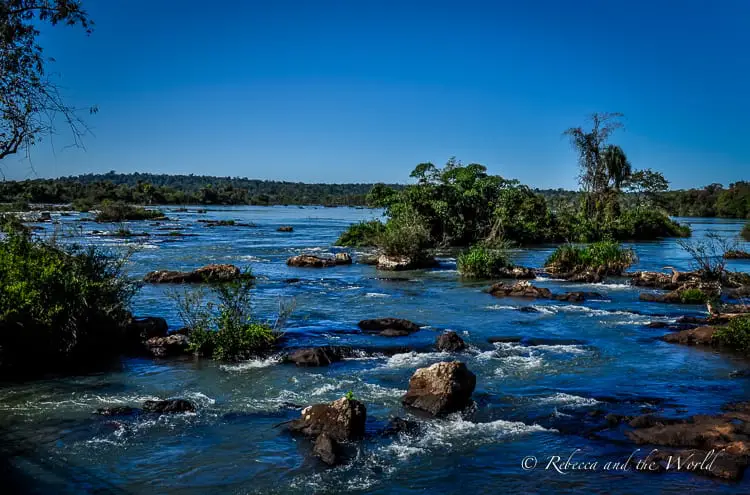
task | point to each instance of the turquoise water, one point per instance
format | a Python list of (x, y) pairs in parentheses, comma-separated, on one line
[(529, 399)]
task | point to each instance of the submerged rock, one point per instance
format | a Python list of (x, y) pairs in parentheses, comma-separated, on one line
[(117, 411), (316, 356), (342, 420), (168, 406), (206, 274), (389, 327), (398, 425), (400, 263), (442, 388), (285, 228), (172, 345), (327, 449), (450, 342)]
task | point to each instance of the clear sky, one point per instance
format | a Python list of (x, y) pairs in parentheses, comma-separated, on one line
[(358, 91)]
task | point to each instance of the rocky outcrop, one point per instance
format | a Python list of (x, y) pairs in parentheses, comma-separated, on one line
[(342, 420), (171, 345), (400, 263), (315, 356), (442, 388), (168, 406), (694, 336), (527, 291), (310, 261), (326, 449), (285, 228), (516, 272), (741, 292), (398, 425), (450, 342), (694, 292), (139, 330), (389, 327), (205, 274), (664, 281), (736, 254)]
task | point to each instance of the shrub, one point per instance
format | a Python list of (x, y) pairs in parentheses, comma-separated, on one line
[(746, 232), (405, 235), (482, 262), (120, 212), (693, 296), (736, 334), (523, 217), (647, 224), (59, 305), (604, 257), (361, 234), (82, 204), (226, 329), (708, 255)]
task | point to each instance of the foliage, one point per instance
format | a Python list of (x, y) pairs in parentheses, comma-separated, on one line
[(59, 305), (30, 104), (349, 395), (647, 224), (735, 335), (405, 235), (713, 200), (693, 296), (708, 255), (361, 234), (482, 262), (591, 147), (523, 217), (605, 257), (119, 212), (745, 234), (225, 328)]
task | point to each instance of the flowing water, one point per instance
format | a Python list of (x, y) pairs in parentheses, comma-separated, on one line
[(595, 352)]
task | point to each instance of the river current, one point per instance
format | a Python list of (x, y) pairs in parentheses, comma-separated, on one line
[(594, 352)]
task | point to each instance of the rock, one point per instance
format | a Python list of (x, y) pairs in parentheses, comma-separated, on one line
[(450, 342), (525, 290), (528, 309), (316, 356), (139, 330), (342, 259), (206, 274), (367, 259), (168, 406), (342, 419), (442, 388), (310, 261), (517, 272), (741, 292), (736, 254), (285, 228), (171, 345), (326, 448), (664, 281), (694, 336), (399, 263), (703, 463), (657, 324), (116, 411), (389, 327), (399, 425), (710, 290)]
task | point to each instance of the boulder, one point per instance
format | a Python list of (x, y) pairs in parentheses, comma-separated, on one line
[(285, 228), (398, 425), (740, 292), (389, 327), (139, 330), (316, 356), (171, 345), (525, 290), (327, 449), (664, 281), (342, 259), (310, 261), (516, 272), (442, 388), (206, 274), (400, 263), (342, 420), (710, 290), (168, 406), (450, 342), (694, 336)]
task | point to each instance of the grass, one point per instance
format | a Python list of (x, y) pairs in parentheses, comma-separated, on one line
[(362, 234), (482, 262), (605, 257), (736, 334), (693, 296), (120, 212)]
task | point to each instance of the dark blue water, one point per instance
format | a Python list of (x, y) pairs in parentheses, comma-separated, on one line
[(526, 395)]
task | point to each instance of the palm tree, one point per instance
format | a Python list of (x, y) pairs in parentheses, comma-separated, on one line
[(617, 165)]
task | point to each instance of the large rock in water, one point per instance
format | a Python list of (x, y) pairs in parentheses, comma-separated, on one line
[(389, 327), (171, 345), (342, 420), (327, 449), (168, 406), (139, 330), (400, 263), (709, 290), (310, 261), (694, 336), (450, 342), (517, 272), (316, 356), (207, 274), (525, 290), (440, 389)]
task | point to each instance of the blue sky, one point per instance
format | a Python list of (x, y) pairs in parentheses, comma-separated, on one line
[(355, 91)]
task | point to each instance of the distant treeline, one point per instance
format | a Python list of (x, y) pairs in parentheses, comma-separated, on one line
[(142, 188)]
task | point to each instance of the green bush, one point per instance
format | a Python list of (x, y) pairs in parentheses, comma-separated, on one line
[(735, 335), (120, 212), (59, 305), (482, 262), (693, 296), (604, 257), (226, 329), (746, 232), (405, 235), (362, 234), (647, 224)]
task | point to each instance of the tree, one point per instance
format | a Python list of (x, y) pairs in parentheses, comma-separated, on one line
[(647, 183), (617, 166), (590, 145), (30, 103)]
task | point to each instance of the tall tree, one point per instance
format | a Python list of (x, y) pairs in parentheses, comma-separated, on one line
[(30, 103), (617, 166)]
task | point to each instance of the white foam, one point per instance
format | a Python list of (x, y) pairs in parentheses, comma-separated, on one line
[(376, 294), (414, 359), (567, 400), (252, 364)]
